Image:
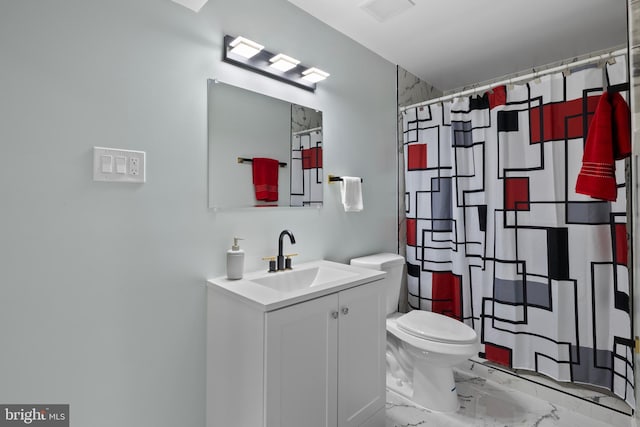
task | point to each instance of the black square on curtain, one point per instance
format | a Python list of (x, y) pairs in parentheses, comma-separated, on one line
[(507, 121), (558, 253)]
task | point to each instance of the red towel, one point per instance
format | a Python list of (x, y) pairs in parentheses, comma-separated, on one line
[(608, 140), (265, 178)]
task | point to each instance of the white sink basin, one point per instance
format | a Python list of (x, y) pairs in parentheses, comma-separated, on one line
[(298, 279)]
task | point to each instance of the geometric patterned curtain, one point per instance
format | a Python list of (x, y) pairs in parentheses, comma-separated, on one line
[(498, 238)]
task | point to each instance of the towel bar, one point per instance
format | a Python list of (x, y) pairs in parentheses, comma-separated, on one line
[(246, 160), (333, 178)]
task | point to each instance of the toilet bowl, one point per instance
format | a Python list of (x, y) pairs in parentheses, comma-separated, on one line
[(422, 346), (435, 344)]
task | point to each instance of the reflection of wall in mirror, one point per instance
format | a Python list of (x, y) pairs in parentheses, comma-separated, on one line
[(304, 118)]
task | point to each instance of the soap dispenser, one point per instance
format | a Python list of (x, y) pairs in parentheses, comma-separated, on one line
[(235, 261)]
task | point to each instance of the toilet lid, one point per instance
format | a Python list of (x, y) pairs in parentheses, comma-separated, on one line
[(436, 327)]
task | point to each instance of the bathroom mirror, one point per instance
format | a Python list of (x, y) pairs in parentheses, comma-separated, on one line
[(244, 125)]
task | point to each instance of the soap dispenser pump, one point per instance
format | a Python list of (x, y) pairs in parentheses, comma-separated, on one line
[(235, 260)]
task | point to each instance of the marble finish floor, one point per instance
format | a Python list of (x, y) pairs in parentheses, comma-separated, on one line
[(489, 404)]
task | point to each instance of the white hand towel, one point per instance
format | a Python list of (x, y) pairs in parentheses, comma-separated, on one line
[(351, 192)]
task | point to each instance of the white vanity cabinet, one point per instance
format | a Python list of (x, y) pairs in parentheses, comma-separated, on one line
[(315, 363), (324, 360)]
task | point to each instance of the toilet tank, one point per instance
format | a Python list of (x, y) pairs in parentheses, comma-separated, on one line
[(393, 265)]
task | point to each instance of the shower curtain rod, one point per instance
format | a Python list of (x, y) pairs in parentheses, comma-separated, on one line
[(302, 132), (529, 76)]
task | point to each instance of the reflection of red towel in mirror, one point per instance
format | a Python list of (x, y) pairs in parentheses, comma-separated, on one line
[(608, 140), (312, 158), (265, 178)]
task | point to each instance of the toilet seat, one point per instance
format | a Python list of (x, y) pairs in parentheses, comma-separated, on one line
[(436, 327), (430, 346)]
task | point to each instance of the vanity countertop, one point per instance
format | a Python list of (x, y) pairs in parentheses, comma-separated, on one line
[(271, 291)]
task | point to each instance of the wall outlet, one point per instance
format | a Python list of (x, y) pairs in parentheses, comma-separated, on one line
[(134, 166), (129, 165)]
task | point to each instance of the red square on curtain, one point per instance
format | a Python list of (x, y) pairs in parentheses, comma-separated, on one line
[(312, 158), (446, 294), (560, 120), (516, 194), (498, 96), (417, 157), (411, 231), (621, 244), (498, 354)]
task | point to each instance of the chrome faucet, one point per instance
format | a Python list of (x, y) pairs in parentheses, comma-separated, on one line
[(280, 259)]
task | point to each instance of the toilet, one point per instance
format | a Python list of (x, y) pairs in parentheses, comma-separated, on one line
[(422, 347)]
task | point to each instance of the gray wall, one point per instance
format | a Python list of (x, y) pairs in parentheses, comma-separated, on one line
[(102, 285)]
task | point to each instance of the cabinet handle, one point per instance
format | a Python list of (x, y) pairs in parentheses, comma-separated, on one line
[(345, 310), (334, 314)]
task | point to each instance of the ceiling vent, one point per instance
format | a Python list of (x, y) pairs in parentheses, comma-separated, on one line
[(194, 5), (383, 10)]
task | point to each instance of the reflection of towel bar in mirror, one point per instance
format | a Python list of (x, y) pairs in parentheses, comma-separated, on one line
[(333, 178), (245, 160), (307, 131)]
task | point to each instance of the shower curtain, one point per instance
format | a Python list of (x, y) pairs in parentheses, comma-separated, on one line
[(498, 238)]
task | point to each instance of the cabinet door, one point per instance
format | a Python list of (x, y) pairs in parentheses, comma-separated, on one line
[(301, 364), (361, 362)]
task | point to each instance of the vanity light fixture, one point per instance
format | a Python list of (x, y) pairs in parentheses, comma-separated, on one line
[(314, 75), (250, 55), (245, 47), (283, 62)]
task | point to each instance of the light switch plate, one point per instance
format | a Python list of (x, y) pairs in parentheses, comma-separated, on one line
[(106, 163), (127, 166), (121, 164)]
